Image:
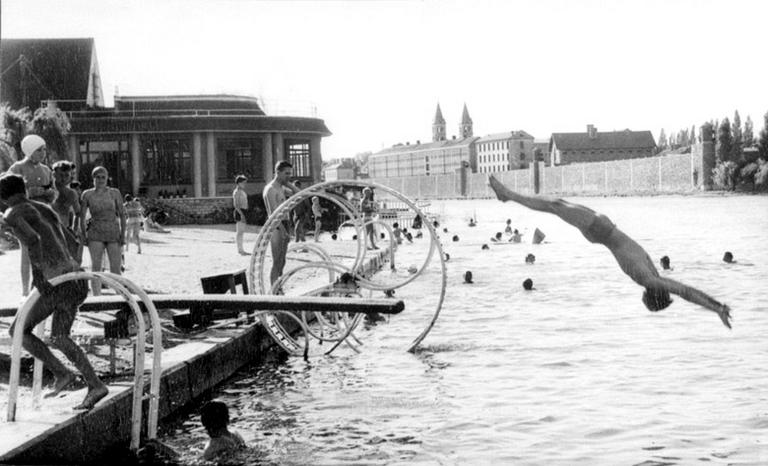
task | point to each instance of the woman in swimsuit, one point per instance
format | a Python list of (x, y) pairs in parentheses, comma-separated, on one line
[(106, 228), (632, 258)]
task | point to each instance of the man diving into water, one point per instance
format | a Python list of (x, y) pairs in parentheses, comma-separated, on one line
[(632, 258)]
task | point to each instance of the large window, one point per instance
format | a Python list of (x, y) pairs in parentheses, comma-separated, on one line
[(167, 160), (299, 156), (240, 156)]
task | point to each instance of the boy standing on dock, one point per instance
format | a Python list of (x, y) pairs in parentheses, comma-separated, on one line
[(38, 228)]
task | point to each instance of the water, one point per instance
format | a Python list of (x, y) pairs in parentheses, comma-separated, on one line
[(575, 372)]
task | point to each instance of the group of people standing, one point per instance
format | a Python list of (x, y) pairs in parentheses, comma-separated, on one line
[(275, 193)]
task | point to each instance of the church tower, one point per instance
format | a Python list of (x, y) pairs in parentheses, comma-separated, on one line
[(438, 126), (465, 128)]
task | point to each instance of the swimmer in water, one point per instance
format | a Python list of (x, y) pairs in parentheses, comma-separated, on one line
[(516, 237), (665, 263), (632, 258), (496, 238)]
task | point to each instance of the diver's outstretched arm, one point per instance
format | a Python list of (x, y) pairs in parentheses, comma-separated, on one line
[(695, 296)]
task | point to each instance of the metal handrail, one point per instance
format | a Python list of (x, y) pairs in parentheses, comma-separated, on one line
[(125, 288)]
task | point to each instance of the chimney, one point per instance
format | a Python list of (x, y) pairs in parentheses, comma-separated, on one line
[(592, 131)]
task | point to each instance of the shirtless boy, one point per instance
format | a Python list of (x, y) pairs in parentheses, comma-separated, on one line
[(37, 226), (632, 258)]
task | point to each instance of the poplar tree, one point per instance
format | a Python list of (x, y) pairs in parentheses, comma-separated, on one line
[(662, 140), (692, 136), (738, 142), (762, 143), (749, 133), (724, 141)]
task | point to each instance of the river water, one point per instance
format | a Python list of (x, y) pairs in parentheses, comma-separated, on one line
[(576, 371)]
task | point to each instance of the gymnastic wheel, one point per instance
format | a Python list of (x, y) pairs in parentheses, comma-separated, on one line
[(315, 268)]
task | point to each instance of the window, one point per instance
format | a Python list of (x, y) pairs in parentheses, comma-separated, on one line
[(112, 154), (298, 154), (167, 161), (522, 146), (239, 156)]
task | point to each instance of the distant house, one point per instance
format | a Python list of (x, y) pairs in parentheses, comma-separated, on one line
[(594, 146), (344, 170)]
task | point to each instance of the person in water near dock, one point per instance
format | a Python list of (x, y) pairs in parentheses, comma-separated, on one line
[(516, 237), (37, 227), (214, 416), (632, 258)]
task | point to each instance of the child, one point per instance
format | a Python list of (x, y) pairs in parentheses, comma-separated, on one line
[(38, 228), (508, 229), (317, 212), (516, 237), (215, 417), (397, 232)]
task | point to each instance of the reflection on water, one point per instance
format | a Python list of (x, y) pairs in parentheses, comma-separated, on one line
[(575, 372)]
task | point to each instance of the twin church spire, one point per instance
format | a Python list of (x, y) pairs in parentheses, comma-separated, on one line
[(438, 125)]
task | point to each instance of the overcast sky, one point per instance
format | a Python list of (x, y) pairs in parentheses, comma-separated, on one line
[(375, 70)]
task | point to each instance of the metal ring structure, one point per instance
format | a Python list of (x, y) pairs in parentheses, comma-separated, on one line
[(121, 285), (259, 277)]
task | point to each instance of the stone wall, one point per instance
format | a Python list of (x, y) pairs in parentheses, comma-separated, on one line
[(672, 173)]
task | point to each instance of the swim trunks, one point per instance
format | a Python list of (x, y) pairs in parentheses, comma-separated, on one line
[(63, 302), (599, 230)]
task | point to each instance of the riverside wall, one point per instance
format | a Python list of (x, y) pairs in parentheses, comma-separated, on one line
[(672, 173)]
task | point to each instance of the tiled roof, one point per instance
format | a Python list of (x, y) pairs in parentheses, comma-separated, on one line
[(59, 69), (604, 140), (506, 135), (448, 143)]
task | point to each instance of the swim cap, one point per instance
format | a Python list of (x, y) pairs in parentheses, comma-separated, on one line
[(31, 143)]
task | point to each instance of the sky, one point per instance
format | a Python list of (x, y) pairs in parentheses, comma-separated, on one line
[(375, 70)]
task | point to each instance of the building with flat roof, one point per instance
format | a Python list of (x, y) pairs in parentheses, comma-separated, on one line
[(594, 146), (500, 152), (179, 144)]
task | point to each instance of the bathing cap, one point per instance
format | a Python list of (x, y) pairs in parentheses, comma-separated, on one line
[(31, 143)]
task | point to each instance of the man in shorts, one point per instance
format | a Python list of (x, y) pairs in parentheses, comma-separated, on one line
[(274, 195), (38, 228)]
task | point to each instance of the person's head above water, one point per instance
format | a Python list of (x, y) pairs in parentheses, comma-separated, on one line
[(665, 262), (728, 257), (468, 277), (509, 221), (484, 247), (455, 238), (498, 235), (528, 284), (530, 259), (214, 416), (656, 300)]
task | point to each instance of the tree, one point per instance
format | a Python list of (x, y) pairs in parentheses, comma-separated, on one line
[(749, 135), (692, 136), (762, 143), (738, 142), (662, 140), (52, 124), (724, 141)]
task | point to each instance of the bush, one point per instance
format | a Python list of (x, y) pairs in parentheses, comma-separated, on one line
[(761, 175), (724, 174)]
